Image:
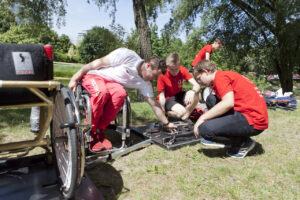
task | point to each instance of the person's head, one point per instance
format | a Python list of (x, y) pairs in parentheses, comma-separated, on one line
[(153, 67), (218, 43), (204, 72), (173, 63)]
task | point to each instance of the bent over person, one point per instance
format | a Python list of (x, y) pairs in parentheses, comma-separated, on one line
[(176, 102), (237, 111), (207, 50), (105, 79)]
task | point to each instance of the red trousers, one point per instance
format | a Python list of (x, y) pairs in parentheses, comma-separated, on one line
[(106, 100)]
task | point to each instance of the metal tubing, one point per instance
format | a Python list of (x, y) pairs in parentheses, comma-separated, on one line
[(30, 84), (23, 144), (124, 151)]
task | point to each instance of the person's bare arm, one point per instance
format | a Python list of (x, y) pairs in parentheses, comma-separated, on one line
[(196, 86), (162, 100), (207, 56), (159, 112), (96, 64), (196, 89)]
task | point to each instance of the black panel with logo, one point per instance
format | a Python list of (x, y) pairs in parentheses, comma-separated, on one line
[(23, 62)]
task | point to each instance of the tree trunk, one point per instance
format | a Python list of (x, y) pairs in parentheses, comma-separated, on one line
[(144, 32), (285, 72), (286, 78)]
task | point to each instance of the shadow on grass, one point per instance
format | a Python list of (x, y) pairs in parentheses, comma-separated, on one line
[(12, 117), (221, 152), (107, 179)]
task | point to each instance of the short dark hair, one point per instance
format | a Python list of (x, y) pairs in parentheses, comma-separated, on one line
[(157, 63), (204, 65), (219, 40)]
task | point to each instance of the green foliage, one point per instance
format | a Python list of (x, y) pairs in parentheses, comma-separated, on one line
[(97, 43), (38, 12), (63, 43), (132, 41), (29, 34), (257, 33), (7, 17)]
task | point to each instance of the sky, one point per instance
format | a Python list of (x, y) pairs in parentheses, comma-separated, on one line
[(82, 16)]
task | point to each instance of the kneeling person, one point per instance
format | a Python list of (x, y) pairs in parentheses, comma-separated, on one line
[(237, 110), (176, 102)]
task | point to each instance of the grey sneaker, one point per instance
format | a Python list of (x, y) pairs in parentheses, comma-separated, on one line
[(211, 143), (243, 150)]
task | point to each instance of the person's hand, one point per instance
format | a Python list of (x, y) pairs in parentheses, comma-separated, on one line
[(170, 126), (189, 98), (72, 85), (196, 126)]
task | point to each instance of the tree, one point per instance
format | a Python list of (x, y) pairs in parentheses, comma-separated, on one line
[(7, 17), (132, 41), (144, 10), (63, 43), (97, 43), (38, 11), (143, 28), (246, 25), (29, 34)]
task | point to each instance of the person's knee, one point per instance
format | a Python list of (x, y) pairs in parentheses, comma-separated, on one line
[(179, 110), (120, 97), (122, 93), (205, 131)]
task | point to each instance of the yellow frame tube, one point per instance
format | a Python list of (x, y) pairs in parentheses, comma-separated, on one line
[(40, 139)]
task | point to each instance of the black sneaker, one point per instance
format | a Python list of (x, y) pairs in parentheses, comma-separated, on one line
[(243, 150)]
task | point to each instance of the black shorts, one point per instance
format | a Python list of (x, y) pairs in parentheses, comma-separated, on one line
[(177, 98)]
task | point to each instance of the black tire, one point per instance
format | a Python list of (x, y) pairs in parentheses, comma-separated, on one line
[(65, 143)]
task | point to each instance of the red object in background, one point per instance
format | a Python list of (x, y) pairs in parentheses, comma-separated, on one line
[(49, 51)]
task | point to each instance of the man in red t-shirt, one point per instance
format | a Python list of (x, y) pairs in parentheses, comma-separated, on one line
[(177, 103), (207, 50), (236, 111)]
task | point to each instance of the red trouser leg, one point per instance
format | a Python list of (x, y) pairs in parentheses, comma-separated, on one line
[(112, 107), (96, 86)]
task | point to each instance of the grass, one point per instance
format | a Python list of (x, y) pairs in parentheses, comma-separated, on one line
[(271, 171)]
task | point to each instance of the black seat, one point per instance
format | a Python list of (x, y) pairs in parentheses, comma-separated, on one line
[(23, 62)]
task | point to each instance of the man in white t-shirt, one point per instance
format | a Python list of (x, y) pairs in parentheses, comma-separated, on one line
[(105, 79)]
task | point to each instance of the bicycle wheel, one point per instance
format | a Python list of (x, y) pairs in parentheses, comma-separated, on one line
[(65, 143)]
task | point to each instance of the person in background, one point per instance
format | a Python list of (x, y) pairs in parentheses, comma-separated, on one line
[(206, 51), (105, 79), (236, 112)]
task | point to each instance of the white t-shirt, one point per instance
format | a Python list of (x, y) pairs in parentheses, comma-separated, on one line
[(123, 70)]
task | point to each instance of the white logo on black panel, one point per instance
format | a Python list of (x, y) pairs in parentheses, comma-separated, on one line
[(22, 63)]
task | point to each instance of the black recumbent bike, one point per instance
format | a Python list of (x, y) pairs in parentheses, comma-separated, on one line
[(26, 80)]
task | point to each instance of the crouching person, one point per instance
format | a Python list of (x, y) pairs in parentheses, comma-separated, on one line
[(176, 102), (237, 110), (105, 79)]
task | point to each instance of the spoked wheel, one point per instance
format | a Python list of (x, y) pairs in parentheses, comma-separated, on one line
[(65, 143)]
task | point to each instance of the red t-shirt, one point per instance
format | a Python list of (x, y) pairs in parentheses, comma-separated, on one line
[(170, 84), (247, 98), (201, 54)]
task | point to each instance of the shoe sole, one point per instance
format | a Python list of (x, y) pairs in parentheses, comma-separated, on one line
[(214, 144)]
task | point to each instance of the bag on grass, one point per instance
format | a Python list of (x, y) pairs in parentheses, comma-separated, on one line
[(286, 103)]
